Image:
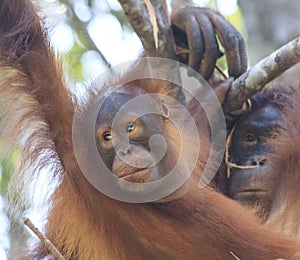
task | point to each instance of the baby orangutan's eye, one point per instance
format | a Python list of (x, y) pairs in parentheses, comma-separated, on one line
[(107, 136)]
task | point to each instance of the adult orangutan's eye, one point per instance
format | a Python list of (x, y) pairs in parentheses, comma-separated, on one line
[(130, 127)]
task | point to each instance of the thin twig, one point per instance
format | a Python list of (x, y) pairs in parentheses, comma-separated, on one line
[(220, 72), (234, 255), (52, 249)]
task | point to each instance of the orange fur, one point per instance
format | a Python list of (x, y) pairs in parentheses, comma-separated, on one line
[(284, 215), (281, 212), (83, 223)]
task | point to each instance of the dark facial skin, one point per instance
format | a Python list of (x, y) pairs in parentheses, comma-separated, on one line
[(125, 149), (249, 147)]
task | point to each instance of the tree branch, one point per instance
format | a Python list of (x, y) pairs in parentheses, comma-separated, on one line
[(262, 73), (52, 249), (166, 41), (140, 18)]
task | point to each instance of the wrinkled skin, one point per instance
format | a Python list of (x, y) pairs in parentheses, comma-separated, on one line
[(249, 147)]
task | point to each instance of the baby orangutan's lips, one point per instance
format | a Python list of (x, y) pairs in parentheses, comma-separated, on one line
[(135, 174)]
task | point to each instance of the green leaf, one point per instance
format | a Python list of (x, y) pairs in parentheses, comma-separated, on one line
[(7, 166), (72, 65)]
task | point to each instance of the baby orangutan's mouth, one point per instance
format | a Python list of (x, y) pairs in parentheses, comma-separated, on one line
[(134, 174)]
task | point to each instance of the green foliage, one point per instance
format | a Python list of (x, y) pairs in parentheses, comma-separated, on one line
[(237, 20), (121, 18), (213, 4), (7, 165), (72, 64)]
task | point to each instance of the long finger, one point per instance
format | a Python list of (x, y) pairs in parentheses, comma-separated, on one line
[(187, 23), (233, 43), (211, 52)]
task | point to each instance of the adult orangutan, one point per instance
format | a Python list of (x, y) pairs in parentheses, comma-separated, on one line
[(82, 222), (264, 155), (250, 174)]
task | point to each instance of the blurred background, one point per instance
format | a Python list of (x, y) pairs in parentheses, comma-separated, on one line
[(90, 35)]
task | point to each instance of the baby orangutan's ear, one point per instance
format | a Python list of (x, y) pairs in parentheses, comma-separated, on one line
[(166, 112)]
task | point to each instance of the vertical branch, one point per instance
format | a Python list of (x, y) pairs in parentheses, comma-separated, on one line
[(166, 41), (160, 44), (139, 17)]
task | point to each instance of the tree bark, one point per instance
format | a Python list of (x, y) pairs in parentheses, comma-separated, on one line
[(261, 74), (139, 16)]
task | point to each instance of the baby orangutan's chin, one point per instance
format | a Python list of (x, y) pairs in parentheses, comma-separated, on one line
[(136, 181)]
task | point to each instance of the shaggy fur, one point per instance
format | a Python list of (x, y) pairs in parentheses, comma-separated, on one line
[(83, 223), (284, 214)]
